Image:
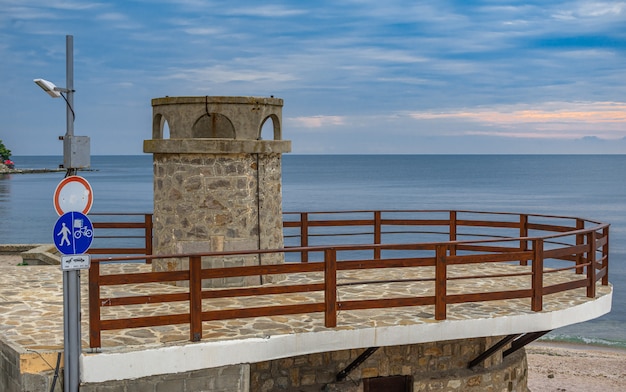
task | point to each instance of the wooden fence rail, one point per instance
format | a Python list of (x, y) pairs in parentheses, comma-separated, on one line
[(132, 230), (580, 248)]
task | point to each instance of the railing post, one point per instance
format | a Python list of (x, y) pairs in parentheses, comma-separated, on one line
[(94, 306), (580, 240), (377, 234), (195, 298), (148, 235), (537, 276), (591, 268), (452, 230), (523, 233), (304, 236), (605, 257), (440, 282), (330, 287)]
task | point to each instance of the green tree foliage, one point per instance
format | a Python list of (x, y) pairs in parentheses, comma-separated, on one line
[(5, 153)]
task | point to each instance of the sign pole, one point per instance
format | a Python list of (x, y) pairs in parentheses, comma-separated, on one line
[(72, 234), (66, 333), (71, 279), (73, 344)]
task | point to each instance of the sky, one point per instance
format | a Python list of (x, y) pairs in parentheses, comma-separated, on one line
[(356, 76)]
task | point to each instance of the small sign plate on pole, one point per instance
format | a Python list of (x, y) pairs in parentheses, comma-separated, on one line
[(75, 262)]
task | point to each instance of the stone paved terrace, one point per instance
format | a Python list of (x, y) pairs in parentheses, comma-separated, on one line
[(31, 318)]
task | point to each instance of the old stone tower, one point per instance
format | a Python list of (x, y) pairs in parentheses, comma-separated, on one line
[(217, 183)]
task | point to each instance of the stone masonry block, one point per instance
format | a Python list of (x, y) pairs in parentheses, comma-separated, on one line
[(170, 386)]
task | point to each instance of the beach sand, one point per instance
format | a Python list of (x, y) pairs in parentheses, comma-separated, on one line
[(552, 367), (556, 367)]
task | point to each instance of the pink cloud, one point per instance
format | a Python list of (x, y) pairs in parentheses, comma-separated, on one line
[(317, 121), (550, 120)]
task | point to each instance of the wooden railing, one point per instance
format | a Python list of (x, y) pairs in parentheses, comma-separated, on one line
[(123, 234), (551, 244)]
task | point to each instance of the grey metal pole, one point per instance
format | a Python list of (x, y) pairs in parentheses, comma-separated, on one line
[(69, 68), (73, 346), (71, 279), (66, 333)]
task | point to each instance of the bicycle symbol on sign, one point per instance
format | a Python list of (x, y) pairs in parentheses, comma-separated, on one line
[(80, 230)]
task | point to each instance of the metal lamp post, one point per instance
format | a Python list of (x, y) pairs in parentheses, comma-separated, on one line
[(75, 155)]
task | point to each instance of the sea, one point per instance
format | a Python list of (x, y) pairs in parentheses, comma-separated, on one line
[(585, 186)]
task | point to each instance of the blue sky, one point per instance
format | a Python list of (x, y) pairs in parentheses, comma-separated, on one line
[(357, 77)]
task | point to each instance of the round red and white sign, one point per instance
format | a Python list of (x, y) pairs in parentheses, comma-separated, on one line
[(73, 194)]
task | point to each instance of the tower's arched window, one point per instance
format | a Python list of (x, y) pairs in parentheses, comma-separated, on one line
[(166, 130), (270, 129), (213, 125), (160, 127)]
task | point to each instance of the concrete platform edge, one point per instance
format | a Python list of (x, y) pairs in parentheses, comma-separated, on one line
[(144, 362)]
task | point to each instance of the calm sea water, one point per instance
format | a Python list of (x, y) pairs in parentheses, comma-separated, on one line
[(585, 186)]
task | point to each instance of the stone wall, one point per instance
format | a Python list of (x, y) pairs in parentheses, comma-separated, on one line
[(214, 203), (224, 379), (32, 254), (190, 118), (28, 371), (436, 366)]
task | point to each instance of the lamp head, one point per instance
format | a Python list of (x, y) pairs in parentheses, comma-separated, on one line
[(48, 87)]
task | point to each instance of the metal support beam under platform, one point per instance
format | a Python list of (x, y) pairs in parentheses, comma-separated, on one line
[(517, 341)]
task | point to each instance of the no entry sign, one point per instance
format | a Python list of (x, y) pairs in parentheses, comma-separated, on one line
[(73, 194)]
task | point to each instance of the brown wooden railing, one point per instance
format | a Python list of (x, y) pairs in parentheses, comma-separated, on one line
[(551, 244), (123, 233)]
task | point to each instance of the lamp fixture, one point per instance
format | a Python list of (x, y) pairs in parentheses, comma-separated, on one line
[(50, 88)]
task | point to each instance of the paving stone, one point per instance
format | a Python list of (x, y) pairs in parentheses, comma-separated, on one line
[(31, 316)]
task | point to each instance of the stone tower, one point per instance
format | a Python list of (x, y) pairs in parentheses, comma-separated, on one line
[(217, 184)]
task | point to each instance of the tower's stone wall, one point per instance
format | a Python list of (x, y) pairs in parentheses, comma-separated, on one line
[(436, 366), (430, 367), (213, 203), (217, 184)]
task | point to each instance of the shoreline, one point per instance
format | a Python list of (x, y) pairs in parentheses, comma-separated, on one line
[(29, 171), (33, 171), (574, 346)]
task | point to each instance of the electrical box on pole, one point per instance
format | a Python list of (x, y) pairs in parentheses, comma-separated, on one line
[(76, 152)]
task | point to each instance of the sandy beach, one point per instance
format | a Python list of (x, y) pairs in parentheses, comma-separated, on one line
[(552, 367), (560, 367)]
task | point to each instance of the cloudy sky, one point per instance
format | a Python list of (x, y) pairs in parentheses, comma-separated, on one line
[(357, 76)]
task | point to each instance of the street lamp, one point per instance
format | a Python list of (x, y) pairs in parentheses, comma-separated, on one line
[(50, 88), (76, 154)]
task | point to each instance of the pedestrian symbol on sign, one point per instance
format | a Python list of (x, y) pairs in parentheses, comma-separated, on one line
[(64, 234)]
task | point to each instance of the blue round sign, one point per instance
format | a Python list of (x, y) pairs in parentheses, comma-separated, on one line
[(73, 233)]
